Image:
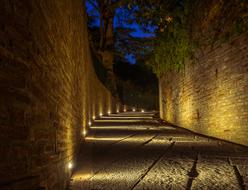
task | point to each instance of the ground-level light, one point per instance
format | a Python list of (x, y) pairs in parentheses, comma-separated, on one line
[(134, 109), (84, 133), (70, 165)]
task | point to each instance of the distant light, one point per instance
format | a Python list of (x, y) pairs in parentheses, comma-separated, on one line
[(89, 123), (100, 114), (169, 19), (70, 165), (109, 112), (84, 133), (124, 110), (94, 117), (134, 109), (142, 110), (117, 111)]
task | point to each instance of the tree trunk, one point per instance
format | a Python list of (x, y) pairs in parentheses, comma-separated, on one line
[(108, 54), (106, 44)]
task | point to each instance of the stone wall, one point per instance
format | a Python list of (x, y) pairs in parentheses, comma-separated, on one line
[(211, 96), (48, 91)]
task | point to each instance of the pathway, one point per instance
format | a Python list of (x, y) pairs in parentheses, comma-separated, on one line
[(133, 151)]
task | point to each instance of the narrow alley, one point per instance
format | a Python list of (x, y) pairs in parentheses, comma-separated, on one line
[(123, 95)]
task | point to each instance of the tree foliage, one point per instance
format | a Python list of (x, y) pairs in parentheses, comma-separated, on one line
[(126, 44), (185, 25), (182, 26), (173, 43)]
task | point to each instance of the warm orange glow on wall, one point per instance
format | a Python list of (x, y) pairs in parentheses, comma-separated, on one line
[(210, 97), (84, 133)]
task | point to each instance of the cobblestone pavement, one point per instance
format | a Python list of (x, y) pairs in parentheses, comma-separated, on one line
[(133, 151)]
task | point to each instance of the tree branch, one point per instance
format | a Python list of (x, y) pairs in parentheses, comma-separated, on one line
[(118, 3), (94, 4)]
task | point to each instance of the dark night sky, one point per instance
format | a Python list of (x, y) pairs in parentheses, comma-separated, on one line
[(138, 31)]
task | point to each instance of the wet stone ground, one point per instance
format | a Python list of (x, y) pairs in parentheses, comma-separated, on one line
[(133, 151)]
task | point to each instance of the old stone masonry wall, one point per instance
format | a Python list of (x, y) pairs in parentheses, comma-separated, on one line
[(211, 96), (48, 91)]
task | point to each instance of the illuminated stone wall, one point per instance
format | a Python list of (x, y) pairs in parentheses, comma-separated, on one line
[(48, 91), (211, 96)]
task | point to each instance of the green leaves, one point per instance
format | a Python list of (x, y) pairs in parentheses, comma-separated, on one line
[(195, 24), (174, 45)]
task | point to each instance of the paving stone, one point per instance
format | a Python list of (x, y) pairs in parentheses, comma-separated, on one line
[(128, 170), (243, 170), (215, 174), (158, 158), (243, 161), (101, 159), (167, 174)]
